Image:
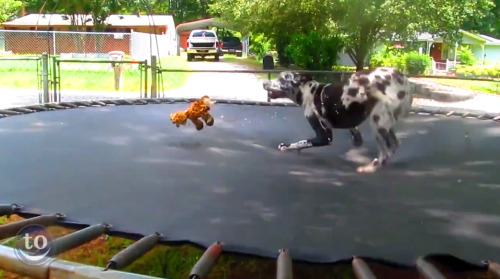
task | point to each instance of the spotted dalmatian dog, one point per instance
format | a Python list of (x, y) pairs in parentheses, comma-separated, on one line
[(381, 95)]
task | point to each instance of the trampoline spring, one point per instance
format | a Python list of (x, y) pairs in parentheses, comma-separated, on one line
[(70, 105), (141, 102), (24, 110), (37, 108), (10, 112), (494, 269), (82, 103), (73, 240), (206, 262), (8, 209), (126, 102), (55, 106), (284, 265), (133, 252), (361, 269), (11, 229), (99, 103), (428, 271)]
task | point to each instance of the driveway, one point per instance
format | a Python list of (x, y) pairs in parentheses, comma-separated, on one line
[(235, 86)]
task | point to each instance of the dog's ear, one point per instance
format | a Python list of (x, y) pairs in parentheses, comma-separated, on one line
[(306, 77), (301, 78)]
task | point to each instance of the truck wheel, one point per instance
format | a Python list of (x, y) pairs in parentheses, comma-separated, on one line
[(190, 57), (239, 54), (216, 57)]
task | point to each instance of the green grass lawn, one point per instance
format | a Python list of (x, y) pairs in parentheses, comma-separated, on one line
[(476, 85), (89, 77)]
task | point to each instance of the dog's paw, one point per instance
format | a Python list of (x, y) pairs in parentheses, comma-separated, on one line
[(369, 168), (283, 147)]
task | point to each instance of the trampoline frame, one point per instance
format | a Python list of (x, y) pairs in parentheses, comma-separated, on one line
[(85, 233)]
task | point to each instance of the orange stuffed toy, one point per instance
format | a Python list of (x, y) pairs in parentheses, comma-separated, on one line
[(197, 109)]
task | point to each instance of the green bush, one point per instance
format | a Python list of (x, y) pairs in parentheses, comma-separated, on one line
[(485, 71), (417, 64), (466, 56), (260, 45), (388, 56), (314, 50)]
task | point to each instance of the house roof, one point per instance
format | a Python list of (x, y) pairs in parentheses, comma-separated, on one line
[(483, 39), (113, 20)]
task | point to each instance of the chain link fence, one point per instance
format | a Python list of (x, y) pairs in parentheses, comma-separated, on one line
[(87, 44)]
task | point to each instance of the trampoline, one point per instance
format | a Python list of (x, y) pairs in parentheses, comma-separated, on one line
[(125, 164)]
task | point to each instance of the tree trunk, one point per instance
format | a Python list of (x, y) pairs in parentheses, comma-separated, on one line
[(360, 64)]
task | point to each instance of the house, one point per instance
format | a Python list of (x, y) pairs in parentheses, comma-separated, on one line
[(28, 34), (156, 24), (485, 48)]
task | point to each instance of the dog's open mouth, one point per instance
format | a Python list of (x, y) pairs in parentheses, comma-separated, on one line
[(274, 90)]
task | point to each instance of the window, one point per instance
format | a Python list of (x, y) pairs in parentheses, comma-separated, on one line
[(203, 34)]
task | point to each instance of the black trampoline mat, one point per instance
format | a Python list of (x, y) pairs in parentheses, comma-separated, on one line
[(130, 167)]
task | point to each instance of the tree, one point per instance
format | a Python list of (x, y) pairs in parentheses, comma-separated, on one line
[(365, 23), (490, 24), (276, 19), (9, 9), (361, 23)]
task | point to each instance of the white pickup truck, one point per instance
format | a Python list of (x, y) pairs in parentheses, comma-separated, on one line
[(203, 43)]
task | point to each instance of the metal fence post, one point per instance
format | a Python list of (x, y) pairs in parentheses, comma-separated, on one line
[(54, 76), (45, 77), (154, 71)]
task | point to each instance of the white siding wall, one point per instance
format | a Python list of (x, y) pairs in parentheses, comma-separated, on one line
[(492, 54)]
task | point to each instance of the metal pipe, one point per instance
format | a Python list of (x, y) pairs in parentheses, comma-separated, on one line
[(45, 78), (145, 78), (97, 61), (154, 79), (133, 252), (361, 269), (60, 269), (77, 238), (54, 76), (20, 58), (246, 71), (11, 229), (206, 262), (10, 262), (284, 265), (427, 270)]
